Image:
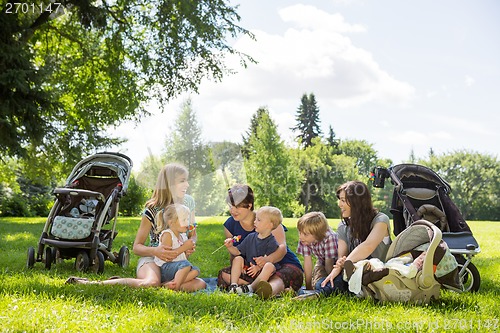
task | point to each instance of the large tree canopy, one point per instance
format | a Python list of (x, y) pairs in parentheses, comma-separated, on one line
[(67, 76)]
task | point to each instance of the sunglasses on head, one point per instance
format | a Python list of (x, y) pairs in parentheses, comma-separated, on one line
[(241, 193)]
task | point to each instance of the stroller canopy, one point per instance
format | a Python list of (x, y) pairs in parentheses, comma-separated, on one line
[(119, 164), (417, 172)]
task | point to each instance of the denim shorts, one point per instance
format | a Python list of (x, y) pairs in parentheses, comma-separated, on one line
[(169, 269)]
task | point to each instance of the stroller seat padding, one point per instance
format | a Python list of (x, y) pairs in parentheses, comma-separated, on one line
[(420, 193), (72, 227), (434, 215)]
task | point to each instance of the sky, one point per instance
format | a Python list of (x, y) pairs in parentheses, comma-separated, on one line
[(405, 76)]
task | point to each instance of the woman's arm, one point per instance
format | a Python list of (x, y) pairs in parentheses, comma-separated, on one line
[(366, 248), (166, 240), (142, 250), (228, 233)]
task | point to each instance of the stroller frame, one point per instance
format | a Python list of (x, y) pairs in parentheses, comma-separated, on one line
[(104, 177), (440, 210)]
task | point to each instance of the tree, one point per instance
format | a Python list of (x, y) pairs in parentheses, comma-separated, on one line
[(382, 197), (307, 119), (133, 202), (67, 77), (252, 131), (228, 158), (185, 145), (324, 172), (332, 140), (270, 170), (366, 156), (473, 178)]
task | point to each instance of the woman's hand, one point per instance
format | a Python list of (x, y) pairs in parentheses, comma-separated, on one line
[(165, 253), (260, 261), (253, 270), (340, 261)]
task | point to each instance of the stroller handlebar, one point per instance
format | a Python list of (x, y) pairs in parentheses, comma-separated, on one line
[(72, 191)]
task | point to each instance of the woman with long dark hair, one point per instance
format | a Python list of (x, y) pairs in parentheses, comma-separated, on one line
[(363, 232)]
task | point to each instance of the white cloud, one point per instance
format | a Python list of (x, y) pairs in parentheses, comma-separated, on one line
[(312, 55), (416, 138), (469, 81), (309, 17)]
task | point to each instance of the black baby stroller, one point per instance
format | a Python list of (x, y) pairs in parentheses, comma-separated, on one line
[(88, 202), (420, 193)]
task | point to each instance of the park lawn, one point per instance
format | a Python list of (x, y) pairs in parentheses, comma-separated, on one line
[(37, 300)]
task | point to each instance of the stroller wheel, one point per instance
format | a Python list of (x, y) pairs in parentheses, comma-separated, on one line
[(31, 257), (98, 266), (469, 275), (82, 262), (54, 255), (48, 257), (123, 257)]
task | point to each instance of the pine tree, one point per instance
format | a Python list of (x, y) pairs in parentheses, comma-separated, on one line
[(185, 144), (252, 131), (332, 140), (307, 120), (269, 167)]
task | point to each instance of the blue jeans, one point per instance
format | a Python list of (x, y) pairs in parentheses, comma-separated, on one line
[(339, 286), (169, 269)]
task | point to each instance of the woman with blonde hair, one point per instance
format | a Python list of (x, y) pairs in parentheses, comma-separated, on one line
[(171, 187)]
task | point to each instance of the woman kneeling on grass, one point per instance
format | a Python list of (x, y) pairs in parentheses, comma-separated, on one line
[(363, 232), (288, 276), (171, 188)]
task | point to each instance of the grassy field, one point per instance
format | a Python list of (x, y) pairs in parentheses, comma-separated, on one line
[(37, 300)]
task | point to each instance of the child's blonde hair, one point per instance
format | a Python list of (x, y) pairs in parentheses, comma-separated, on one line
[(274, 215), (162, 194), (171, 213), (314, 223)]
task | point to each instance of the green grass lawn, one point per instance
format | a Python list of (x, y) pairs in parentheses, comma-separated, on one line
[(37, 300)]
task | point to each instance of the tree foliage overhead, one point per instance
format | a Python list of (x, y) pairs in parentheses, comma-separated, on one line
[(67, 77)]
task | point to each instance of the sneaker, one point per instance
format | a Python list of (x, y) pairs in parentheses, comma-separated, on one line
[(243, 289), (232, 289), (307, 296), (264, 290)]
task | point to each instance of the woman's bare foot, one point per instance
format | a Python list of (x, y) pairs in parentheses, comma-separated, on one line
[(170, 285)]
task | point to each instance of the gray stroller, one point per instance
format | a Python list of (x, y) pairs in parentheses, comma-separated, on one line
[(82, 222)]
